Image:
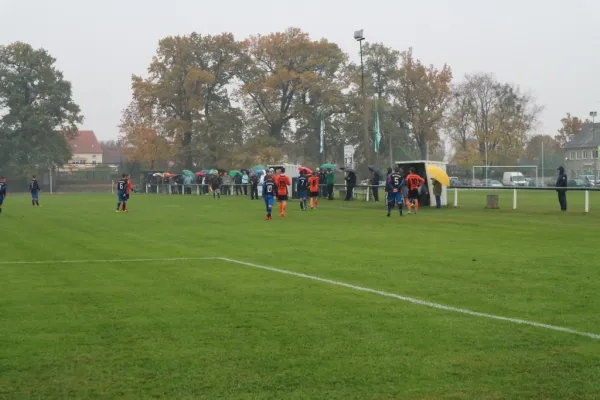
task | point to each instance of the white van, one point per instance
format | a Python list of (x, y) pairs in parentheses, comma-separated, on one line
[(514, 179)]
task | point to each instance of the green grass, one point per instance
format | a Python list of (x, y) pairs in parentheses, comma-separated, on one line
[(209, 329)]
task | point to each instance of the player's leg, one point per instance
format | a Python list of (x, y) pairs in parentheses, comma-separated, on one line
[(32, 199), (391, 201), (301, 198), (400, 204), (316, 202)]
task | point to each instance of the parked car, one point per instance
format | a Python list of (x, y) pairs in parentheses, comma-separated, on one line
[(492, 183), (476, 183), (578, 183), (454, 181), (514, 179), (591, 179)]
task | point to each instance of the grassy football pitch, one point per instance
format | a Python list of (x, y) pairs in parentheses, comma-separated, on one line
[(174, 300)]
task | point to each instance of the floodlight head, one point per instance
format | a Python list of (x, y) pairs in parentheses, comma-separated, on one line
[(359, 35), (593, 113)]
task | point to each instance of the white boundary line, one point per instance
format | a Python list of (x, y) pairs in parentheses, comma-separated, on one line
[(107, 261), (331, 282)]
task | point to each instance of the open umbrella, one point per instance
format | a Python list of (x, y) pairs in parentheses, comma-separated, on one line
[(328, 166), (157, 174), (213, 172), (372, 168), (200, 174), (348, 170), (245, 170), (187, 172), (306, 170), (258, 168), (234, 173), (438, 174)]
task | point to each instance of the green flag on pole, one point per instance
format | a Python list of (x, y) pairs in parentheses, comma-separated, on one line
[(377, 131), (322, 133)]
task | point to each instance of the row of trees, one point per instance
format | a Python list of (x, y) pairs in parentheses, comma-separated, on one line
[(215, 101)]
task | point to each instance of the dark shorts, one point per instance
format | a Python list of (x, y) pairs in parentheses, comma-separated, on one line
[(1, 200), (314, 194), (282, 197), (395, 197), (302, 194), (413, 194), (35, 195), (122, 197)]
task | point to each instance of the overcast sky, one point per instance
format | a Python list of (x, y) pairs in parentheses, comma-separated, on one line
[(548, 47)]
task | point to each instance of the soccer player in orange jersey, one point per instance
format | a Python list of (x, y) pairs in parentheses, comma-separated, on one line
[(414, 182), (283, 182), (313, 186)]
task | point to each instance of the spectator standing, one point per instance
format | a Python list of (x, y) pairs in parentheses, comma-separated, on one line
[(437, 192), (330, 182), (226, 179), (245, 180), (237, 180), (322, 182), (561, 184), (253, 186), (375, 185), (350, 185)]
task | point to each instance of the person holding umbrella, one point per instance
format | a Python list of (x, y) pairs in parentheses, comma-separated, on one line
[(245, 180), (561, 184), (330, 183)]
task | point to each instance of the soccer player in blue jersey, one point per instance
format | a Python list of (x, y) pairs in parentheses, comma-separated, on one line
[(34, 189), (395, 182), (301, 188), (269, 192), (2, 191), (122, 193)]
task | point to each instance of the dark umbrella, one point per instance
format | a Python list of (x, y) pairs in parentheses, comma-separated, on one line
[(349, 170), (373, 169)]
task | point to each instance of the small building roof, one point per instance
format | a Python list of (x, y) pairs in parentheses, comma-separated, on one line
[(585, 138), (85, 142)]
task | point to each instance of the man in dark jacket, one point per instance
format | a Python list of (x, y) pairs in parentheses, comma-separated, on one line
[(561, 183), (322, 183), (350, 184), (375, 185), (253, 186), (237, 181)]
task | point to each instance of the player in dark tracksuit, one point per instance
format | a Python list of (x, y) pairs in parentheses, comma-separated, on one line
[(122, 193), (269, 191), (302, 189), (34, 189), (394, 185), (2, 192)]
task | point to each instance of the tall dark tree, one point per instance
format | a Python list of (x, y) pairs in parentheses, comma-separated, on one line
[(37, 111)]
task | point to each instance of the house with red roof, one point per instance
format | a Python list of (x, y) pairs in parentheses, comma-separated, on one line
[(86, 149)]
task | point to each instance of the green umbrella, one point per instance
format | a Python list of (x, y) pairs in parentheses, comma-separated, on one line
[(328, 166), (213, 172), (234, 173), (188, 172), (258, 168)]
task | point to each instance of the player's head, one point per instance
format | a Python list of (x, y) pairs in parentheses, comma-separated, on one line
[(389, 170), (302, 172), (2, 179), (398, 169), (412, 170), (315, 173), (124, 176), (33, 177)]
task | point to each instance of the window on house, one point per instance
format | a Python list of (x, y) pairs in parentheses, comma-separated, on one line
[(93, 156), (595, 154), (578, 156), (572, 155), (94, 162), (585, 155)]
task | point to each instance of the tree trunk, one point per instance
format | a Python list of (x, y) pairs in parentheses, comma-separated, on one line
[(187, 153), (275, 131)]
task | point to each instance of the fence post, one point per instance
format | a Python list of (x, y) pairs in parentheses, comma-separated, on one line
[(587, 201), (368, 192), (147, 186), (51, 189), (112, 187), (198, 190), (157, 188), (514, 199), (455, 197)]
